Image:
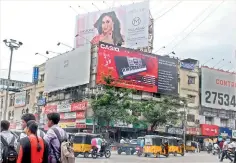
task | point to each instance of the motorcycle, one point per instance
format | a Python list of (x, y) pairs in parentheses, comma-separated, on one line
[(139, 151), (209, 150), (104, 151)]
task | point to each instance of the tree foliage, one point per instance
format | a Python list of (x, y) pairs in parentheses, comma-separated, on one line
[(162, 112), (114, 104)]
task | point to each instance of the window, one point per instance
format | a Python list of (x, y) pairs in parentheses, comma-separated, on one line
[(223, 122), (41, 77), (191, 80), (1, 102), (27, 96), (209, 120), (191, 118), (12, 100), (191, 98)]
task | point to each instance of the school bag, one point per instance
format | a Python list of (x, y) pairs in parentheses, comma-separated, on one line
[(9, 154), (66, 152)]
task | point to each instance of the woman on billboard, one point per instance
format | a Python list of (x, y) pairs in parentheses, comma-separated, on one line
[(108, 26)]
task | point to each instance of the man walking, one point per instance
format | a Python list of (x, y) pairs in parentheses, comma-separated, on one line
[(26, 118), (54, 137), (7, 138), (225, 151)]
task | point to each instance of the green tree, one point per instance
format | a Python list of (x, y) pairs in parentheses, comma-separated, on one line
[(162, 112), (114, 104)]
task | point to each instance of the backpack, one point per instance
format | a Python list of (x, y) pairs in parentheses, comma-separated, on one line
[(9, 154), (66, 152)]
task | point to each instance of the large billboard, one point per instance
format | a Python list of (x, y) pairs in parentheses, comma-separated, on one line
[(137, 70), (218, 89), (20, 99), (68, 70), (125, 25)]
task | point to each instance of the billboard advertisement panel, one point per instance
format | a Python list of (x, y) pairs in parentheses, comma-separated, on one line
[(218, 89), (137, 70), (125, 25), (68, 70), (20, 99)]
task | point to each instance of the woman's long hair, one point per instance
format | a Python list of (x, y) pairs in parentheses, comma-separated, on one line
[(116, 35), (33, 128)]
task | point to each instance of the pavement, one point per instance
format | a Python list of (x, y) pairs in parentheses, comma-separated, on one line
[(202, 157)]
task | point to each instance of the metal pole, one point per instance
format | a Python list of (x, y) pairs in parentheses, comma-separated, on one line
[(184, 126), (8, 83)]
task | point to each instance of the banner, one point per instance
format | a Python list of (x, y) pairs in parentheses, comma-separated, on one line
[(50, 109), (209, 130), (137, 70), (64, 106), (73, 115), (218, 89), (79, 106), (20, 99), (125, 25)]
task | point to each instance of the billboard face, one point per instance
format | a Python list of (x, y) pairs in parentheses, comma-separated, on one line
[(218, 89), (20, 99), (68, 70), (136, 70), (125, 25)]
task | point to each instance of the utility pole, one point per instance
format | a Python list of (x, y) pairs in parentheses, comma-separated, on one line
[(13, 45), (184, 127)]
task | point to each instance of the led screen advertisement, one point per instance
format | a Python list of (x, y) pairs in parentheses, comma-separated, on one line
[(218, 89), (137, 70), (68, 70), (125, 25)]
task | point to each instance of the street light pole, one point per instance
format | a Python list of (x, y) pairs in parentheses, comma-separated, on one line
[(184, 126), (12, 44)]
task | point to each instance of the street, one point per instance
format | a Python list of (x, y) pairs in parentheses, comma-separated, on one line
[(202, 157)]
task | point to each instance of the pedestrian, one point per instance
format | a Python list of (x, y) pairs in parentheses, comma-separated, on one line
[(8, 143), (54, 136), (24, 119), (225, 151), (33, 149)]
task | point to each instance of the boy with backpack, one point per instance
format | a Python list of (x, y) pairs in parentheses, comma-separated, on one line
[(60, 149), (8, 144)]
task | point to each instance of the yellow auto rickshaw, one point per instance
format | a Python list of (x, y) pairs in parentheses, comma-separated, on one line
[(180, 146), (172, 148), (82, 143), (190, 146), (155, 145)]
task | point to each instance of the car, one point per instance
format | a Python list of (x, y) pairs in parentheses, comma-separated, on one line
[(133, 141)]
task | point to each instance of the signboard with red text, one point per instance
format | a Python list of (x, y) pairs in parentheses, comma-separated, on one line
[(72, 115), (209, 130), (218, 89)]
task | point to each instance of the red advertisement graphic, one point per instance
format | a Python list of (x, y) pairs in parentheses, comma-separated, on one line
[(50, 109), (130, 69), (80, 115), (78, 106), (209, 130), (193, 131)]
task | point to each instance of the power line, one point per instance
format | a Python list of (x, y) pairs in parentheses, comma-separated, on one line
[(203, 11), (168, 10), (199, 24), (20, 72)]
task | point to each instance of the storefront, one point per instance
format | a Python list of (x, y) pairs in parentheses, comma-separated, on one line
[(192, 132), (225, 132)]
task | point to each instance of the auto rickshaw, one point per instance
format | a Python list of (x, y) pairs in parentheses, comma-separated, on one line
[(82, 143), (173, 147), (190, 146), (180, 146), (155, 145)]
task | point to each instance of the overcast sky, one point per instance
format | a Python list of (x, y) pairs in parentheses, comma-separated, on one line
[(41, 24)]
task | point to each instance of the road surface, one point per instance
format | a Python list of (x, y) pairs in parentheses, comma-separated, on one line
[(202, 157)]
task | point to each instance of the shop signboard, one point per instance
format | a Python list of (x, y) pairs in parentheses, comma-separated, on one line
[(234, 134), (50, 109), (209, 130), (79, 106), (175, 130), (72, 115), (193, 131), (225, 132), (20, 99), (63, 107)]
